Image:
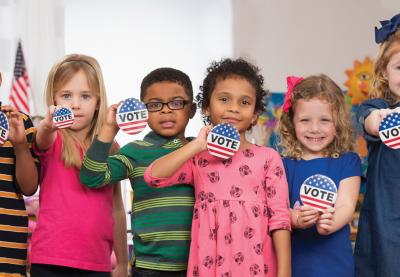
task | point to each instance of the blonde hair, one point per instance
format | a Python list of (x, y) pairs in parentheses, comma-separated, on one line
[(380, 86), (61, 73), (321, 87)]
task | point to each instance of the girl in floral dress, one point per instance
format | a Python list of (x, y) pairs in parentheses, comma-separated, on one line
[(241, 221)]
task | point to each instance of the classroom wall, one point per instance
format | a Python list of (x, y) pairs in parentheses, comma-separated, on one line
[(131, 38), (291, 37)]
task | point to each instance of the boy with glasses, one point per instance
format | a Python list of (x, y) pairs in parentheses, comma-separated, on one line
[(161, 218)]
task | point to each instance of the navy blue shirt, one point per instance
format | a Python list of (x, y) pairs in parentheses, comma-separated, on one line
[(312, 253), (378, 239)]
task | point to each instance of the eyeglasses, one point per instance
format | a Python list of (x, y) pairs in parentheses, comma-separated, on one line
[(177, 104)]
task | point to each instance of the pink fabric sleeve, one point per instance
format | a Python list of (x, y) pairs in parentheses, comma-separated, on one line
[(50, 151), (184, 175), (276, 183)]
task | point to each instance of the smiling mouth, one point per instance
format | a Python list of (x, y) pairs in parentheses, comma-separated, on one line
[(315, 139), (230, 120)]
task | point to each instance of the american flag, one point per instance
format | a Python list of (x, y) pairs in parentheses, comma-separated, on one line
[(217, 141), (63, 118), (318, 191), (389, 130), (132, 116), (4, 128), (20, 88)]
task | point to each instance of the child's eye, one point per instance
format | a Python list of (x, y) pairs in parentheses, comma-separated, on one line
[(223, 99), (304, 120), (66, 95), (86, 96), (326, 120), (245, 102)]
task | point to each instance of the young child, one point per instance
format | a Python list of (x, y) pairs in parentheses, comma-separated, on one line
[(378, 240), (161, 219), (76, 226), (316, 137), (19, 176), (241, 222)]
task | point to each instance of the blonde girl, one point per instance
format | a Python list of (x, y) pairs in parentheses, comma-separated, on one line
[(77, 226), (378, 243), (316, 137)]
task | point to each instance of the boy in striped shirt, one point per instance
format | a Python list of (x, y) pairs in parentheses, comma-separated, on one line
[(161, 218)]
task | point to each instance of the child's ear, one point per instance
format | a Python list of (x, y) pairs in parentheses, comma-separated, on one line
[(192, 111), (254, 119), (206, 112)]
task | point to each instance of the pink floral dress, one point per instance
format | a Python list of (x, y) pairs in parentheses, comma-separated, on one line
[(239, 202)]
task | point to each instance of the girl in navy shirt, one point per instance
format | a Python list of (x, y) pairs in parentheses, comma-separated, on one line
[(316, 137)]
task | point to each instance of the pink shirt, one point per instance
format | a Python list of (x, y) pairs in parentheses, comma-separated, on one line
[(75, 223), (239, 202)]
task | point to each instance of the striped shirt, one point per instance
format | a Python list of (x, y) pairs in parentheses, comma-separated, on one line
[(161, 218), (13, 216)]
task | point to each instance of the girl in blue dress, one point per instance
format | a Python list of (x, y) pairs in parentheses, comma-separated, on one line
[(378, 239), (316, 137)]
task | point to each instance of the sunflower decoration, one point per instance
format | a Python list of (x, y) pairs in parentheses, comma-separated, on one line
[(359, 81)]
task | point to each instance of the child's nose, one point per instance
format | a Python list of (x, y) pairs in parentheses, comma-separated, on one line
[(75, 103), (314, 127), (234, 107)]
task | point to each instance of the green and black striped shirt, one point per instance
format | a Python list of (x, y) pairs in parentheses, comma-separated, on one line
[(161, 218)]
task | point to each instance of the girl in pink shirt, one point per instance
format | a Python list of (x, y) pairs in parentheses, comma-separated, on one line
[(241, 222), (75, 230)]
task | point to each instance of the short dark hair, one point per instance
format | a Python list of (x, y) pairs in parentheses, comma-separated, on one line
[(166, 74), (227, 68)]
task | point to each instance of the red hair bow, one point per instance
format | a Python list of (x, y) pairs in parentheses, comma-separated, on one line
[(291, 81)]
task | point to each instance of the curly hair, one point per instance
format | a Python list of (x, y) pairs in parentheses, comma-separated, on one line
[(227, 68), (321, 87), (380, 85), (166, 74)]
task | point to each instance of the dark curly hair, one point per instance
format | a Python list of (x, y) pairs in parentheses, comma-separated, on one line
[(166, 74), (227, 68)]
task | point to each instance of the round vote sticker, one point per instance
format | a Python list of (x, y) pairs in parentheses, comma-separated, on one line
[(223, 141), (132, 116), (63, 117), (319, 192), (4, 128), (389, 130)]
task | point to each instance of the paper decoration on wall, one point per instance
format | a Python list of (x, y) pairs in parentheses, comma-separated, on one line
[(319, 192), (223, 141), (359, 81), (132, 116), (63, 117), (389, 130), (4, 128), (264, 132)]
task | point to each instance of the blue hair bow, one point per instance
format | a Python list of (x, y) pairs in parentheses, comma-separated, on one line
[(388, 28)]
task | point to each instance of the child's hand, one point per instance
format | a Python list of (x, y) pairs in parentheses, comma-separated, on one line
[(201, 139), (120, 271), (325, 222), (374, 119), (110, 127), (305, 217), (17, 130), (111, 120), (47, 122)]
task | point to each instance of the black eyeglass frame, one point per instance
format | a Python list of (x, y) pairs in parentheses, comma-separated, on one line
[(184, 103)]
